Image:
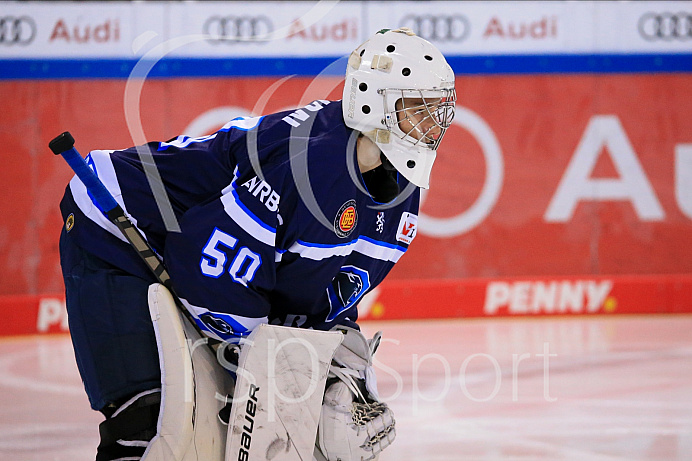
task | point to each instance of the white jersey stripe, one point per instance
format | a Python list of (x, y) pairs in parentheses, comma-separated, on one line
[(248, 323), (100, 161), (317, 253), (379, 250), (246, 218), (363, 245)]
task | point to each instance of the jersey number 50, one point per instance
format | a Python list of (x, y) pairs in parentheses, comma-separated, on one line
[(244, 265)]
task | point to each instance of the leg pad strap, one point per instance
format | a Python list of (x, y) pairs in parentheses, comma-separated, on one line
[(128, 431)]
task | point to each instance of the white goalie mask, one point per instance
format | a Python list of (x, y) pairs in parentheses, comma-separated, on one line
[(399, 92)]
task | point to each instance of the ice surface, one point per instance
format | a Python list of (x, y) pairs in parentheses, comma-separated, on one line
[(599, 388)]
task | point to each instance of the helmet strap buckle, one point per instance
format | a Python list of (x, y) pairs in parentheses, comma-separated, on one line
[(381, 62), (382, 136)]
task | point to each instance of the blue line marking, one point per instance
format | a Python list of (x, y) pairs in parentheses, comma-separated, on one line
[(166, 68), (56, 69), (572, 64)]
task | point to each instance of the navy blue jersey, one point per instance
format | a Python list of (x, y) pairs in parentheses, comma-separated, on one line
[(266, 220)]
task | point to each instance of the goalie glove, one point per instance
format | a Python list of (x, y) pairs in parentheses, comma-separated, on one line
[(354, 424)]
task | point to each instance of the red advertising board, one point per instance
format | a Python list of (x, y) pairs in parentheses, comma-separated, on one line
[(529, 297), (541, 176), (398, 299), (596, 178)]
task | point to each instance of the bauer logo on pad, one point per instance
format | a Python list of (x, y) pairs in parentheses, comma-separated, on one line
[(407, 227)]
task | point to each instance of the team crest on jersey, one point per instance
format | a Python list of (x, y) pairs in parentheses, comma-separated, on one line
[(69, 222), (407, 227), (216, 324), (346, 289), (346, 219)]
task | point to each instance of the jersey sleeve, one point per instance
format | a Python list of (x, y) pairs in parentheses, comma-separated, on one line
[(160, 181)]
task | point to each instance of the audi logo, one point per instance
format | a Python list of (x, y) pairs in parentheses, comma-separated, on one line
[(441, 28), (238, 28), (666, 26), (17, 30)]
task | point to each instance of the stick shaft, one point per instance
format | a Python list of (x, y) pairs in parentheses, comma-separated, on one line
[(96, 188), (63, 145)]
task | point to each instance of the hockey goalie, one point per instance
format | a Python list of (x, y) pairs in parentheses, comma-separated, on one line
[(272, 230)]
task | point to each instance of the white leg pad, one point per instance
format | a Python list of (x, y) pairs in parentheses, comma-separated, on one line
[(188, 427), (277, 401)]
